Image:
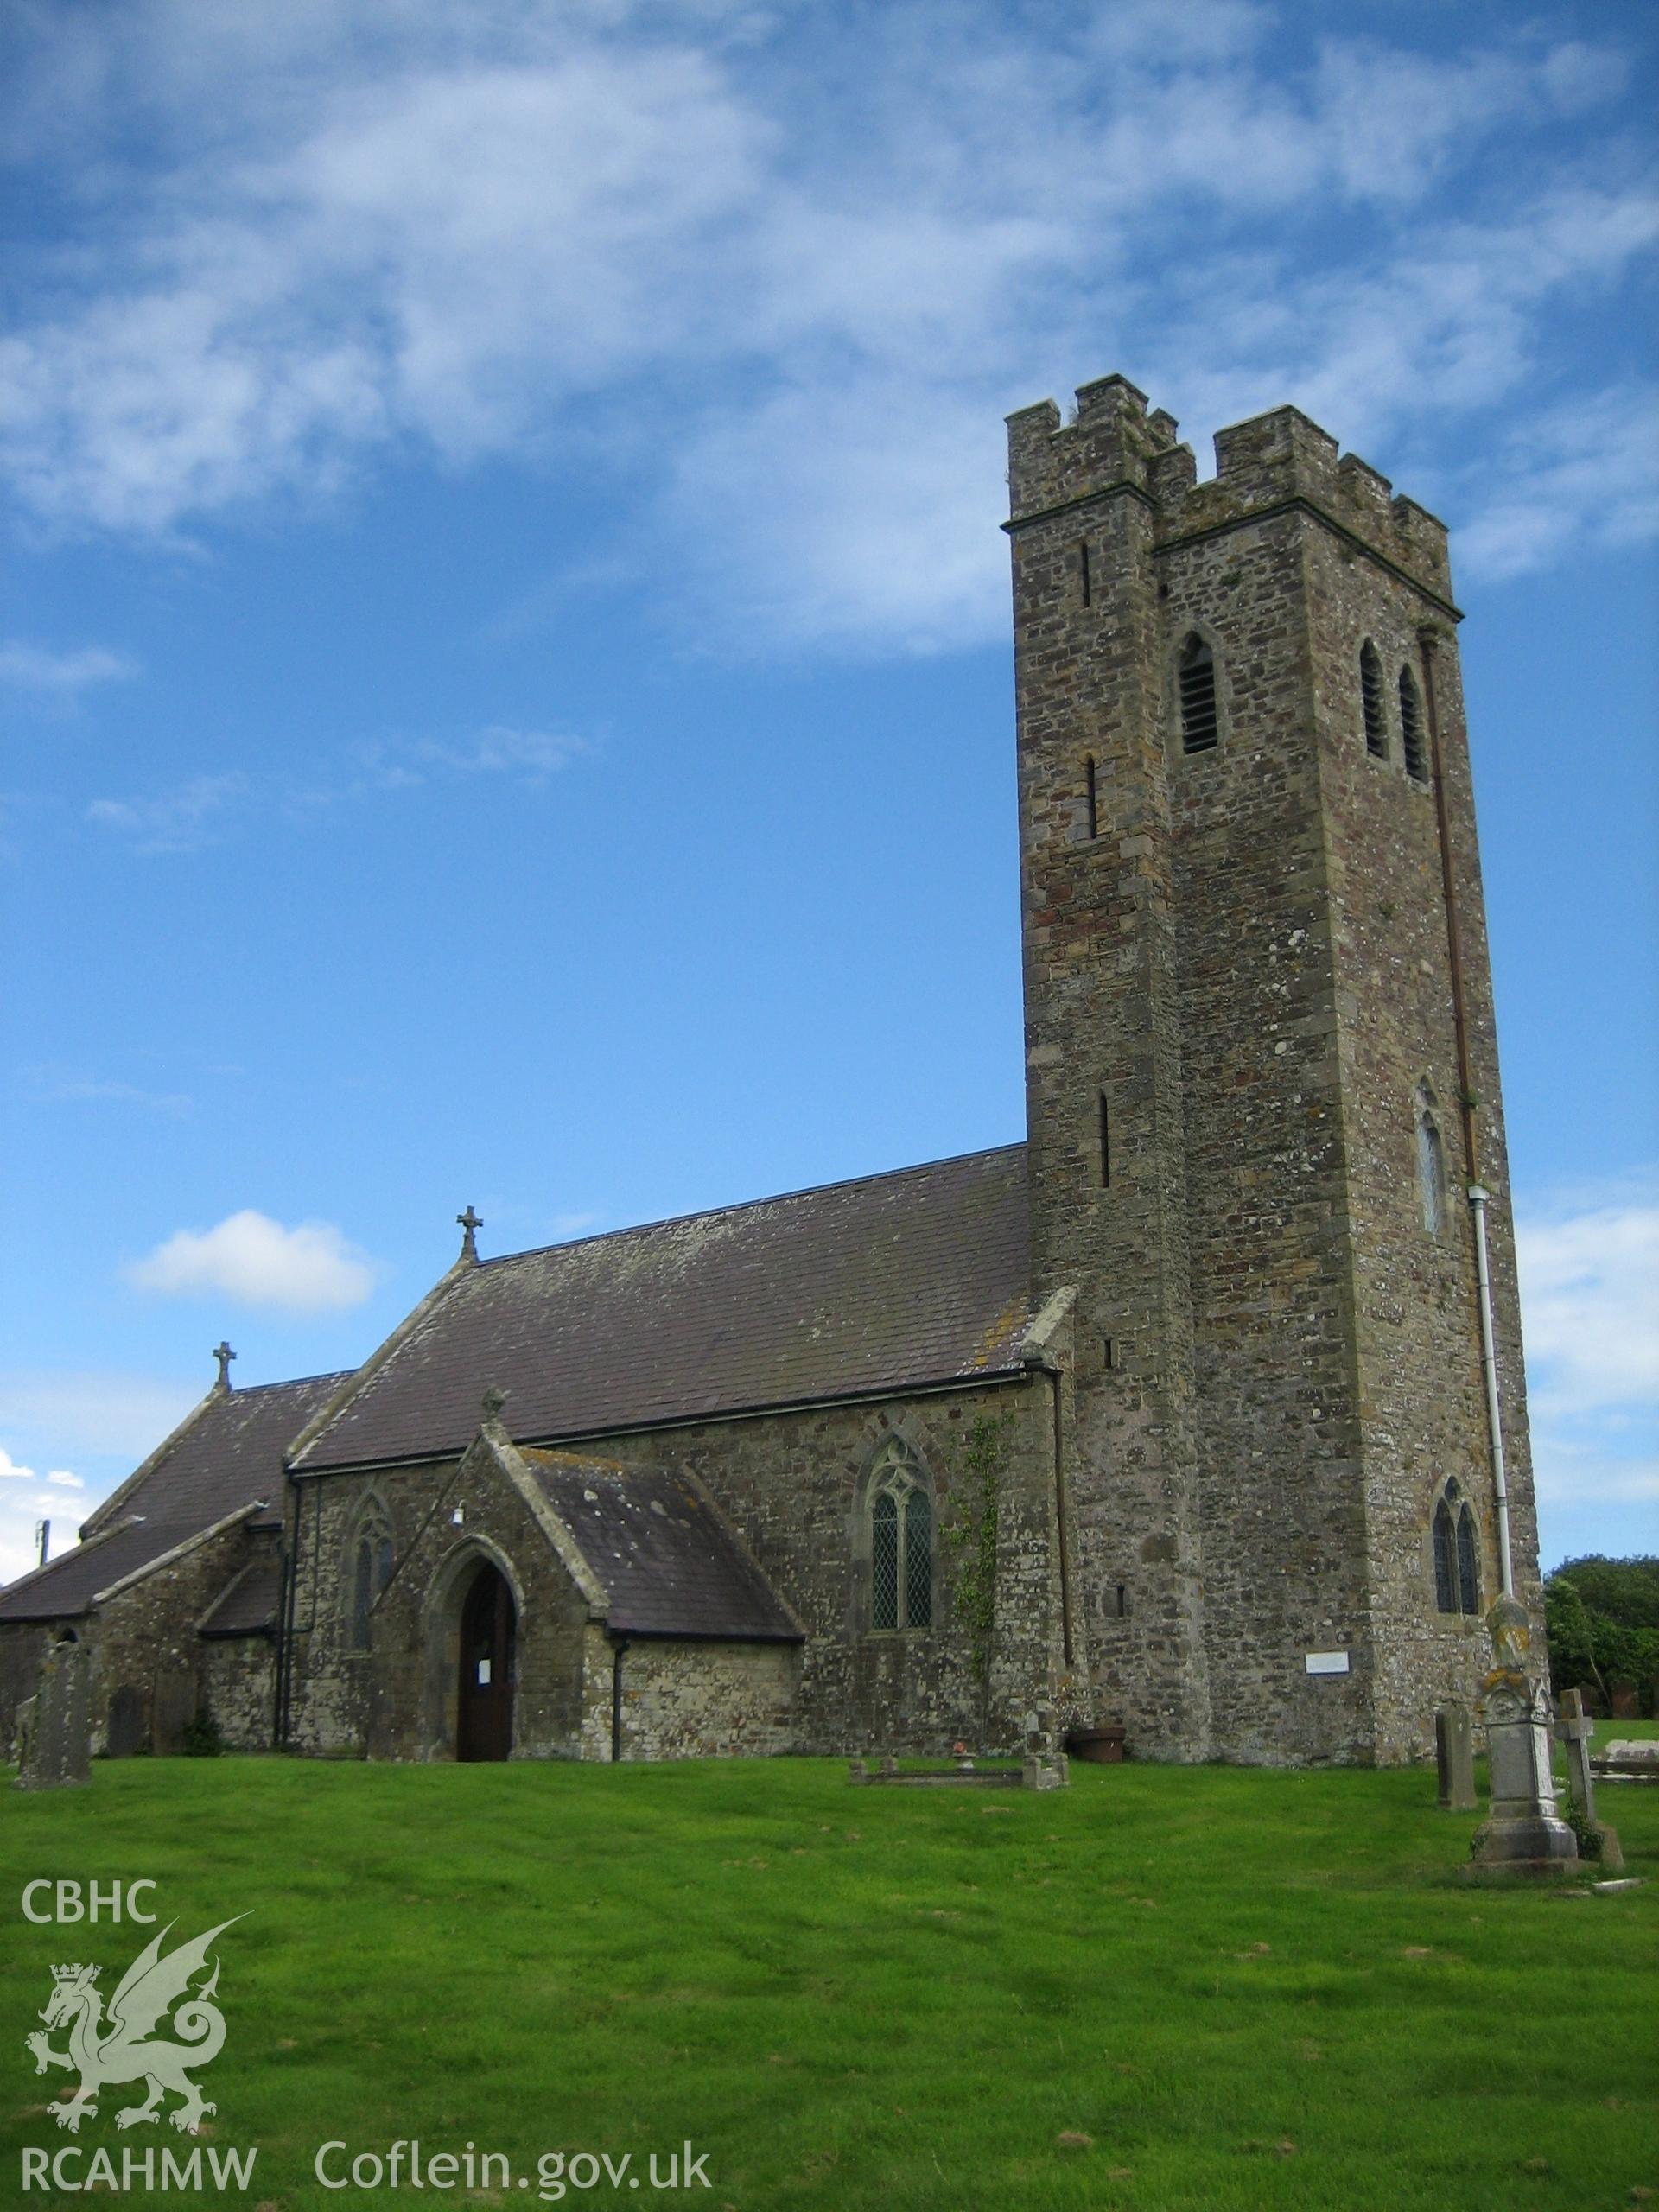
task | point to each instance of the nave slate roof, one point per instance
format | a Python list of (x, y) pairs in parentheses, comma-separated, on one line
[(916, 1277), (225, 1456)]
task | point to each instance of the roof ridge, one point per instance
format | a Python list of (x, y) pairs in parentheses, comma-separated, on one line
[(291, 1383), (743, 1205)]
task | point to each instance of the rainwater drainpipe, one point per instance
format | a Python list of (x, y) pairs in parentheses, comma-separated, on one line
[(1489, 1369), (1477, 1194), (619, 1645)]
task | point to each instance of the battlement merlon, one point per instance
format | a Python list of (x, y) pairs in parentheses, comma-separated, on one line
[(1114, 446)]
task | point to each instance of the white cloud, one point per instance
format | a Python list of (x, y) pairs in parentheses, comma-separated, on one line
[(530, 756), (81, 1414), (65, 1480), (180, 820), (81, 1090), (204, 809), (1590, 1287), (61, 675), (700, 244), (1584, 472), (1589, 1269), (11, 1473), (254, 1259)]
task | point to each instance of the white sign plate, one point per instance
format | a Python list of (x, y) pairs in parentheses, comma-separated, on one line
[(1327, 1662)]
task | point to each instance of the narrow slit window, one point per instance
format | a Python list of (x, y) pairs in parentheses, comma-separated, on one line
[(1431, 1163), (1084, 579), (1371, 702), (1109, 1354), (1090, 800), (1122, 1602), (1200, 727), (1414, 742), (1105, 1143)]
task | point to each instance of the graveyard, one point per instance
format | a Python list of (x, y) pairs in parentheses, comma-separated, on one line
[(1160, 1986)]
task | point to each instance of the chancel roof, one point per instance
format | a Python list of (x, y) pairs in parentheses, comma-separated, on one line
[(228, 1454), (916, 1277)]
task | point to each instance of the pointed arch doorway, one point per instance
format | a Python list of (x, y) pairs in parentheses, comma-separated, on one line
[(488, 1641)]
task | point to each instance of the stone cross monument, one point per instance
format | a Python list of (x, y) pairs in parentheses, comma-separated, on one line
[(1578, 1731), (1523, 1832)]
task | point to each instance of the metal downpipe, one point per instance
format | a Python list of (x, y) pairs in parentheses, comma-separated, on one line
[(1478, 1197)]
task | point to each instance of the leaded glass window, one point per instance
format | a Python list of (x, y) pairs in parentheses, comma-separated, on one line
[(362, 1594), (901, 1541), (372, 1565), (1468, 1578), (918, 1562), (1457, 1552), (884, 1561), (1445, 1565)]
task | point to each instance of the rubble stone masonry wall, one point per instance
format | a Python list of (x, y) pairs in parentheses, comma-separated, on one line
[(1295, 1353)]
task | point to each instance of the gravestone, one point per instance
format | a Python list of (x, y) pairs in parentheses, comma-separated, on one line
[(126, 1725), (1523, 1833), (1454, 1752), (1626, 1700), (173, 1710), (1578, 1733), (55, 1730), (1630, 1762)]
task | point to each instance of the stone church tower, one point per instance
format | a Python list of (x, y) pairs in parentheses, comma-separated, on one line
[(1174, 1427), (1261, 1077)]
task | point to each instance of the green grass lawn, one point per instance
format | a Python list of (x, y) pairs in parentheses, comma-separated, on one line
[(1203, 1987)]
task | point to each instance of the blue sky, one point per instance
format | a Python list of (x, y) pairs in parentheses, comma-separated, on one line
[(505, 656)]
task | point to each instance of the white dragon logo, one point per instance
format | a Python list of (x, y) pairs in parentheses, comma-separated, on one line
[(123, 2049)]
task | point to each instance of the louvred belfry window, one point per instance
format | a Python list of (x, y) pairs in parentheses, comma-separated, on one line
[(1195, 678), (1371, 702)]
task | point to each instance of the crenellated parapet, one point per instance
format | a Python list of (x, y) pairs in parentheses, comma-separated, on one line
[(1114, 446)]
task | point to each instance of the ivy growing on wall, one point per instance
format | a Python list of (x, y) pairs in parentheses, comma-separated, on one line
[(972, 1537)]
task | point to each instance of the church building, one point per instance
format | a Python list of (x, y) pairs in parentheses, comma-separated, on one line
[(1199, 1414)]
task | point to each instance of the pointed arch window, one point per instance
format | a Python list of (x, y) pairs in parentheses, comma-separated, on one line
[(901, 1540), (1430, 1162), (371, 1568), (1195, 679), (1414, 739), (1371, 696), (1457, 1552)]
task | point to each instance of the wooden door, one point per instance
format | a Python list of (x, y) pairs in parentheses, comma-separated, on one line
[(484, 1730)]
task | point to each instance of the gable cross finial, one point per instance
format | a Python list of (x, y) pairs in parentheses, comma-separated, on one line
[(470, 1222), (494, 1399), (223, 1355)]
